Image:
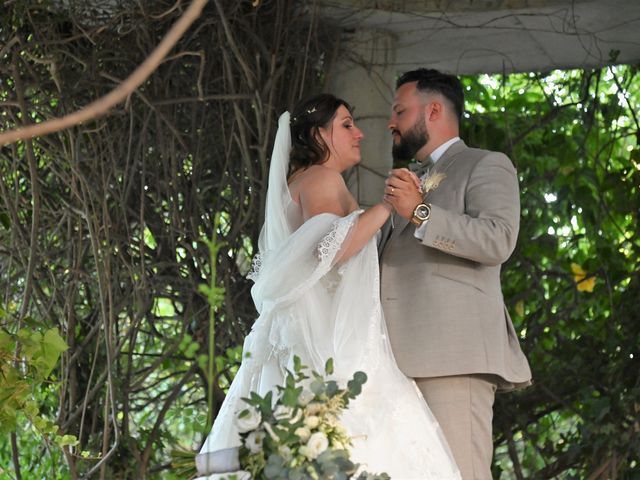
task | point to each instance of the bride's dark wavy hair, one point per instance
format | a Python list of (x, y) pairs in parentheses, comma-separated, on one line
[(307, 146)]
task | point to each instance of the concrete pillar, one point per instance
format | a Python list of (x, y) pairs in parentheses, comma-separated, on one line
[(364, 76)]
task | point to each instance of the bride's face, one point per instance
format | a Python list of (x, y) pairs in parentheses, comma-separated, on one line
[(342, 137)]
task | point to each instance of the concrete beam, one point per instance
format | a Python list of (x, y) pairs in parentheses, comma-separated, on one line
[(440, 6), (475, 36)]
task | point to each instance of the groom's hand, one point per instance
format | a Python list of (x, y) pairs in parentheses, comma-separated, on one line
[(402, 191)]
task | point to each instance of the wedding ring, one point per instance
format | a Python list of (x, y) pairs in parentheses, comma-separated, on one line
[(392, 190)]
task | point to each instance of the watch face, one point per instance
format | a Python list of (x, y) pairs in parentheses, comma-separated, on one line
[(422, 211)]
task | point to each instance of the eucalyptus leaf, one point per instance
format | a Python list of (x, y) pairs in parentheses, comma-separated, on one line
[(328, 368)]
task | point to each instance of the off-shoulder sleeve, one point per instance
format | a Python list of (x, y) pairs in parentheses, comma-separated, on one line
[(283, 275)]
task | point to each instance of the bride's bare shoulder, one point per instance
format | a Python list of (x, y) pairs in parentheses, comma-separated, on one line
[(321, 190), (316, 176)]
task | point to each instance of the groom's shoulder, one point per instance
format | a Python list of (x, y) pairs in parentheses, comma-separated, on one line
[(476, 155)]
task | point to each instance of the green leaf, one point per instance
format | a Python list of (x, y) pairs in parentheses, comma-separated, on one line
[(328, 367), (317, 386), (54, 341), (52, 346), (275, 467), (149, 239), (290, 396), (8, 420), (191, 350), (360, 377), (67, 441), (203, 361), (31, 408), (290, 381), (297, 364), (332, 388), (31, 343), (6, 342), (355, 385)]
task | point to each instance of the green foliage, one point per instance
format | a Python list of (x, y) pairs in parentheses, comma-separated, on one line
[(27, 359), (572, 282)]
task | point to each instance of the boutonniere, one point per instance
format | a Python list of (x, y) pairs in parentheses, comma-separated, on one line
[(431, 182)]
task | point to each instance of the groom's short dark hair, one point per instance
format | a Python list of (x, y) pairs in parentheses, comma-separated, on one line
[(430, 80)]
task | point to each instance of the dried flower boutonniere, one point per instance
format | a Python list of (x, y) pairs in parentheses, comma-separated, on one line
[(431, 182)]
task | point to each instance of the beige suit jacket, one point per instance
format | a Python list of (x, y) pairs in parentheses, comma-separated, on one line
[(442, 297)]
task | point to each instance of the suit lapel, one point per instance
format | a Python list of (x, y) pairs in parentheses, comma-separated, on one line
[(400, 223), (449, 157), (441, 166)]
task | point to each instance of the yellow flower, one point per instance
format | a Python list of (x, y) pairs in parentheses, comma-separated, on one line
[(583, 284)]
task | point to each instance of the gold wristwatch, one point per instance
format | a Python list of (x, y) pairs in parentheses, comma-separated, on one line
[(421, 213)]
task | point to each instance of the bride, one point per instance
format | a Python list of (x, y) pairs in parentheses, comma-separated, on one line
[(317, 293)]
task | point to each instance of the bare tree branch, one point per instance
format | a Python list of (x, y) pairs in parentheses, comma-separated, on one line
[(103, 105)]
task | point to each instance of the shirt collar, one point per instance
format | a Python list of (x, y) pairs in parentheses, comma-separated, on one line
[(438, 152)]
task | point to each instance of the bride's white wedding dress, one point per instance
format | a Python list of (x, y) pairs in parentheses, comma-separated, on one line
[(313, 306)]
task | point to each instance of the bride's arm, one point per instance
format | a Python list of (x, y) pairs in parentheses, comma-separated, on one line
[(326, 192), (368, 224)]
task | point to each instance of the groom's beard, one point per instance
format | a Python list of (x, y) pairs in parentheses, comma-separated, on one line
[(411, 141)]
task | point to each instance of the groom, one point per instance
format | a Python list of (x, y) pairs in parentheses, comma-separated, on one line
[(440, 266)]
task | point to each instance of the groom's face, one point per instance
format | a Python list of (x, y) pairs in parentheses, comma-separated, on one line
[(407, 123), (406, 145)]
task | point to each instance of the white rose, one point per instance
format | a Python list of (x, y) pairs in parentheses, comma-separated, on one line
[(254, 441), (282, 411), (249, 419), (303, 432), (318, 443), (312, 422), (313, 408), (305, 397)]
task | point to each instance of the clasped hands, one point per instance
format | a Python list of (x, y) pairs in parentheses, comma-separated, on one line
[(402, 191)]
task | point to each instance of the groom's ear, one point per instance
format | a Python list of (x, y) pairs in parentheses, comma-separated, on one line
[(434, 110)]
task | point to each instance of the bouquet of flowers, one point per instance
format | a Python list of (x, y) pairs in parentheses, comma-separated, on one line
[(299, 436)]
